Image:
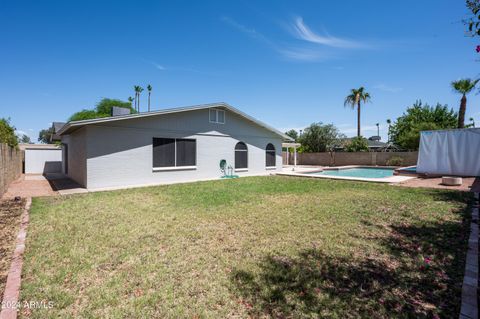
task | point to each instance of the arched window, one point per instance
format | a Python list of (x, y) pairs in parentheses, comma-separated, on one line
[(270, 155), (241, 155)]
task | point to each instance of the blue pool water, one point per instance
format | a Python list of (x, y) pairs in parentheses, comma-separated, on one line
[(412, 169), (358, 172)]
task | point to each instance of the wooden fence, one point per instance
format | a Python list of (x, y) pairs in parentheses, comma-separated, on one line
[(10, 166)]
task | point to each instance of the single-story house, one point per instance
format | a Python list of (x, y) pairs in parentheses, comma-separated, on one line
[(170, 145)]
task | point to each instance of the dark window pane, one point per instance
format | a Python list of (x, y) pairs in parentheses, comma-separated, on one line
[(163, 152), (221, 117), (270, 160), (241, 146), (241, 159), (213, 115), (270, 147), (186, 152)]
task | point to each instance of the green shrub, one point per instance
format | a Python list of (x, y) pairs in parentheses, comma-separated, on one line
[(7, 133), (357, 144), (395, 161)]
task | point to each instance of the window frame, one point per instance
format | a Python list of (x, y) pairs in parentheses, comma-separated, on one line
[(274, 151), (175, 166), (240, 169), (216, 121)]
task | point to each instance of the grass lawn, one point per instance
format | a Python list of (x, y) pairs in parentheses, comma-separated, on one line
[(260, 247)]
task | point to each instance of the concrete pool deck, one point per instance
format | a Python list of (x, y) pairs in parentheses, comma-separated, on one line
[(300, 171)]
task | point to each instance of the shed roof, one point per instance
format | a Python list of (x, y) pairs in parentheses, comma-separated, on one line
[(75, 125)]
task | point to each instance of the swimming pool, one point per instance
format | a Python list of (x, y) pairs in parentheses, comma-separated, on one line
[(361, 172)]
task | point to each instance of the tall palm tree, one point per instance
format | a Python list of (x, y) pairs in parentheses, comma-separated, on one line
[(138, 89), (389, 122), (149, 88), (463, 86), (355, 98), (135, 89)]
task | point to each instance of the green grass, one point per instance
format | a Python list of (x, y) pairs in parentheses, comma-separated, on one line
[(258, 247)]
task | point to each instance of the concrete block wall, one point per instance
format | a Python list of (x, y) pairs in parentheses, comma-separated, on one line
[(352, 158), (10, 166)]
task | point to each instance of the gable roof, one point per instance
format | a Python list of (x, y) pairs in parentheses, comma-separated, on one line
[(75, 125), (56, 126)]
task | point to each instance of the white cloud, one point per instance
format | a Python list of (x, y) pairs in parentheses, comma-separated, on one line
[(242, 28), (303, 32), (303, 54), (158, 66), (289, 52), (387, 88)]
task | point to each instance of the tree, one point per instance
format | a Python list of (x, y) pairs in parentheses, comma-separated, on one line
[(149, 88), (405, 132), (410, 140), (463, 86), (474, 22), (44, 136), (85, 115), (25, 139), (105, 106), (357, 144), (389, 122), (293, 134), (102, 109), (7, 133), (472, 122), (138, 89), (354, 99), (320, 137)]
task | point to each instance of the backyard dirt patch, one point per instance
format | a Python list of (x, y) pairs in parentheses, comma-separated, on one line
[(10, 213), (29, 186), (469, 184)]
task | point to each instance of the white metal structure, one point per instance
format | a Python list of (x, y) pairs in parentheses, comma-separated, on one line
[(294, 145), (450, 152)]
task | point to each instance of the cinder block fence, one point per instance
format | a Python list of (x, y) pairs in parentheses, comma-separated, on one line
[(351, 158)]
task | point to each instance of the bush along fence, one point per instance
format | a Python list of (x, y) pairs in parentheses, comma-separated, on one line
[(10, 166), (354, 158)]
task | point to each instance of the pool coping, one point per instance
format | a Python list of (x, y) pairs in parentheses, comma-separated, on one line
[(391, 179)]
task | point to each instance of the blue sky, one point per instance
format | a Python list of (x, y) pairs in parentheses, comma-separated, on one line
[(287, 63)]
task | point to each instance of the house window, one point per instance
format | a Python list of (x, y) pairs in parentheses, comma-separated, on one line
[(241, 156), (171, 152), (270, 155), (217, 116)]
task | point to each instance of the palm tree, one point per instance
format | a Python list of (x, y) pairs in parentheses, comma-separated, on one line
[(472, 121), (463, 86), (138, 89), (135, 88), (355, 98), (389, 122), (149, 88), (130, 99)]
